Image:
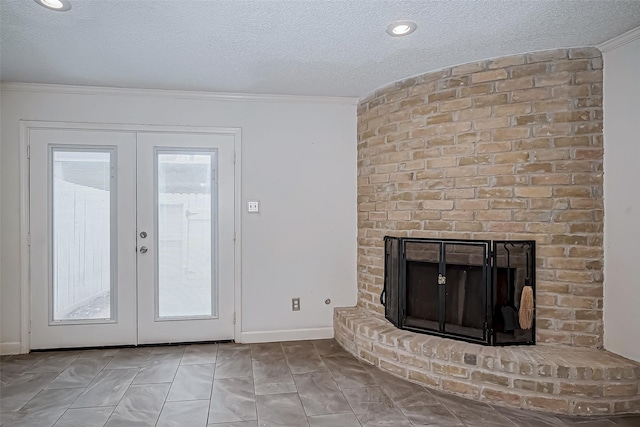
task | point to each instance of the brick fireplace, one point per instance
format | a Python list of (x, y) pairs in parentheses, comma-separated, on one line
[(502, 149)]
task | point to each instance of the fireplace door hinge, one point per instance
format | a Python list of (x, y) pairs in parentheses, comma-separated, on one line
[(442, 280)]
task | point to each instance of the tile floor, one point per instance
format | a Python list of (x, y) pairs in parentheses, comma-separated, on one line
[(304, 383)]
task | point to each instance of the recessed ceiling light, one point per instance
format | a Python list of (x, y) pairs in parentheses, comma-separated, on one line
[(57, 5), (401, 28)]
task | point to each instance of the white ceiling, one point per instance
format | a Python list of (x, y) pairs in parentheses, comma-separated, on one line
[(304, 47)]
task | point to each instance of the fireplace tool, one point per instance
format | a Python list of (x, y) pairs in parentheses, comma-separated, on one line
[(509, 313), (526, 301)]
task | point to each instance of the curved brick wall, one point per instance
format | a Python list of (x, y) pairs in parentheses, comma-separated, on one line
[(509, 148)]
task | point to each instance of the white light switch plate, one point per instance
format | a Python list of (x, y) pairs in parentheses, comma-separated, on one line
[(252, 206)]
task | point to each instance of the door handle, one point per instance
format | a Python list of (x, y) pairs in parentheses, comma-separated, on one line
[(143, 249)]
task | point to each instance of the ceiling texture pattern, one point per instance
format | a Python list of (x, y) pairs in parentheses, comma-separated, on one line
[(297, 47)]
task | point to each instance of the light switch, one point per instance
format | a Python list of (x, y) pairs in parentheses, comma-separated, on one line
[(252, 206)]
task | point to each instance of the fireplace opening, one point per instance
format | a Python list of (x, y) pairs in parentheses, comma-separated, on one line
[(464, 289)]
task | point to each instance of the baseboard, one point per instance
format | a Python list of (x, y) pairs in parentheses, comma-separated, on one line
[(286, 335), (245, 337), (9, 348)]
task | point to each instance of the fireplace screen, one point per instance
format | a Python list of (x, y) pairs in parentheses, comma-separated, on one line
[(474, 290)]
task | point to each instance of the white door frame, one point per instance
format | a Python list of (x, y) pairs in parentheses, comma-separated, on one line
[(25, 261)]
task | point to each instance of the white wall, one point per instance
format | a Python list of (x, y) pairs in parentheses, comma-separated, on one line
[(622, 200), (298, 160)]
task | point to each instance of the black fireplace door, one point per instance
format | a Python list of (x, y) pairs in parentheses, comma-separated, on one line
[(463, 289), (389, 297), (467, 277), (419, 293), (444, 287)]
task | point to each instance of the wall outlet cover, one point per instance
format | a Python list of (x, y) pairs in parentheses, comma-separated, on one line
[(253, 206)]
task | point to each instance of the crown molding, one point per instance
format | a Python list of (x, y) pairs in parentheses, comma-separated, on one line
[(175, 94), (620, 40)]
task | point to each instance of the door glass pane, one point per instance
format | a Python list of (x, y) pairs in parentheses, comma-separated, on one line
[(185, 251), (81, 234)]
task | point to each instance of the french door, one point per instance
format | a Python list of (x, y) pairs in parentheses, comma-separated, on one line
[(132, 237)]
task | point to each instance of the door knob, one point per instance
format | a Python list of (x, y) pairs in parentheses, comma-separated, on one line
[(143, 249)]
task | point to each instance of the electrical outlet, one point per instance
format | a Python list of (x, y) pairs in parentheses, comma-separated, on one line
[(295, 304), (253, 206)]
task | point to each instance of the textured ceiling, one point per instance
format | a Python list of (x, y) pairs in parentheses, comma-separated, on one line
[(304, 47)]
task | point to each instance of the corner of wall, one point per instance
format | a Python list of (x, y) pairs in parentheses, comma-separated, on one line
[(622, 200)]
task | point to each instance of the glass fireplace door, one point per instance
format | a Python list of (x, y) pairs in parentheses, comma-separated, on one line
[(421, 291), (470, 290), (466, 285)]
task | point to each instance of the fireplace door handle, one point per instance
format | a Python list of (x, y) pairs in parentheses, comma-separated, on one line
[(382, 297)]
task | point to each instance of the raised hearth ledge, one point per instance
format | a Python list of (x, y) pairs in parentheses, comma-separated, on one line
[(559, 379)]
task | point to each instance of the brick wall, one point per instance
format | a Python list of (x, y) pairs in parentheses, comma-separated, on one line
[(508, 148)]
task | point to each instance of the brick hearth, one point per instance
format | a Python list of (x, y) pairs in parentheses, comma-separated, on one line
[(576, 381)]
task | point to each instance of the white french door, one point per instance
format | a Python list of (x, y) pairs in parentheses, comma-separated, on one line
[(185, 237), (132, 237), (82, 226)]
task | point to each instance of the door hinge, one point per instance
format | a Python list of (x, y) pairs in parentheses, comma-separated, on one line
[(28, 151), (28, 239), (234, 237), (234, 317), (234, 157), (29, 327)]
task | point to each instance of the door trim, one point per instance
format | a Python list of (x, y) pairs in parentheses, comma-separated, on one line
[(25, 260)]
